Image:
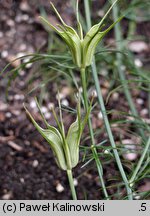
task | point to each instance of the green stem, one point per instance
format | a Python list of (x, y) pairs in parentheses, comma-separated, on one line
[(149, 100), (71, 183), (103, 109), (108, 128), (134, 176), (121, 71), (87, 14), (94, 151)]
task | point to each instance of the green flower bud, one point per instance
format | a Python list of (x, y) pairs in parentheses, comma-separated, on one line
[(82, 49), (65, 148)]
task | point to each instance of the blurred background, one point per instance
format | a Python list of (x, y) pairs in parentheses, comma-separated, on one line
[(27, 167)]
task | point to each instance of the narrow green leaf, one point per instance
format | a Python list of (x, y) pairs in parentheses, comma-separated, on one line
[(57, 13), (46, 123), (50, 25)]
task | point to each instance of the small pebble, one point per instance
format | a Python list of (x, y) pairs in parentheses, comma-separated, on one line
[(25, 17), (138, 46), (1, 34), (101, 13), (59, 188), (65, 102), (19, 97), (21, 83), (144, 112), (100, 115), (136, 196), (2, 117), (10, 23), (75, 182), (35, 163), (8, 115), (7, 196), (115, 96), (10, 97), (18, 18), (129, 145), (106, 152), (50, 105), (130, 156), (11, 33), (44, 109), (15, 146), (24, 6), (47, 115), (16, 112), (4, 54), (33, 104), (3, 106), (139, 101), (138, 63), (23, 47), (66, 91), (22, 180), (21, 73), (27, 142)]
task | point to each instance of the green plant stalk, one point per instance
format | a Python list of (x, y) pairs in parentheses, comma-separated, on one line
[(149, 100), (109, 132), (71, 183), (107, 125), (87, 14), (67, 153), (134, 176), (120, 69), (94, 151)]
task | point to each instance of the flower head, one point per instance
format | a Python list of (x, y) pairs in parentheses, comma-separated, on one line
[(82, 49), (65, 148)]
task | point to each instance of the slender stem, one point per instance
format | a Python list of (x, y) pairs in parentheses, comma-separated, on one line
[(87, 14), (85, 97), (71, 183), (94, 151), (149, 100), (134, 176), (107, 125), (108, 128), (120, 69)]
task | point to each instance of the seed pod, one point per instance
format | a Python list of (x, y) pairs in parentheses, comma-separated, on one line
[(64, 148), (82, 49)]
